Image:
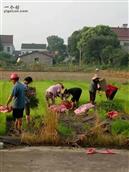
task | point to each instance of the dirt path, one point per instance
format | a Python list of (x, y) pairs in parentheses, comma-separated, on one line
[(109, 75), (56, 159)]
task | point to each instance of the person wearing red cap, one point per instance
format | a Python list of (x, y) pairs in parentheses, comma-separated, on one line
[(18, 97)]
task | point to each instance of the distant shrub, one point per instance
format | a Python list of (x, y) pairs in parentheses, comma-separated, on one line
[(112, 105)]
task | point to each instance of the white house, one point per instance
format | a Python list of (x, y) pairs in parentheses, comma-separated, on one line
[(7, 43)]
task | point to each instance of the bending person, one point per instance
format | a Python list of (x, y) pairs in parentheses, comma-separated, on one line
[(52, 92), (94, 86), (75, 93)]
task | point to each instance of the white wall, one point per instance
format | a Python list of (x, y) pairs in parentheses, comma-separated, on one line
[(25, 51), (8, 49)]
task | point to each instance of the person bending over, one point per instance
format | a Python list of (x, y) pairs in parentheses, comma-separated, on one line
[(52, 92), (94, 86), (75, 93)]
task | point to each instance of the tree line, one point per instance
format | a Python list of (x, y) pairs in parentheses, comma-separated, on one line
[(90, 45)]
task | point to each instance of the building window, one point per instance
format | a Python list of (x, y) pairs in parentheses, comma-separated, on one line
[(126, 43), (8, 49), (36, 60)]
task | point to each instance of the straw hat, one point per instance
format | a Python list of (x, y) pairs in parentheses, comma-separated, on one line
[(95, 77)]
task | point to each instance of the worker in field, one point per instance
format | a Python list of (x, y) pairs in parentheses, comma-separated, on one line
[(27, 81), (75, 93), (18, 98), (53, 92), (94, 86)]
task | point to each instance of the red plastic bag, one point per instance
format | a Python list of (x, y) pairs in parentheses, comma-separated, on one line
[(112, 114), (67, 104), (111, 91), (5, 109)]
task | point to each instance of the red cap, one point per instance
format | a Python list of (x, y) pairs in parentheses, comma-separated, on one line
[(14, 76)]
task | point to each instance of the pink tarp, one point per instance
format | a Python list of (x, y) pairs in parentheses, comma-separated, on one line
[(84, 108), (94, 151), (58, 108)]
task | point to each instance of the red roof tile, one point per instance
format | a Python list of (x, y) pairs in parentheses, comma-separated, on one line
[(122, 33)]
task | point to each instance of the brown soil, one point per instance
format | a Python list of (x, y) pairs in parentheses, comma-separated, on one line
[(108, 74)]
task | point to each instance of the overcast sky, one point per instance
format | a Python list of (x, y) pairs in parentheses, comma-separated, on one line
[(59, 18)]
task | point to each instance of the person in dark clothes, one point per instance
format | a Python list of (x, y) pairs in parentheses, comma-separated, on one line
[(75, 93), (27, 81), (94, 86)]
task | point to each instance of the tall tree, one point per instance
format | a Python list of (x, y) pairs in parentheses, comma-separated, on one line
[(94, 40), (72, 45), (57, 46), (73, 48)]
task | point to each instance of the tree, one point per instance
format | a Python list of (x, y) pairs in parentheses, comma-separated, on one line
[(94, 40), (120, 58), (73, 48), (72, 45), (57, 46)]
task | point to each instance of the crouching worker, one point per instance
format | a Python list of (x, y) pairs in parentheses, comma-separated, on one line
[(27, 81), (18, 97), (52, 92), (94, 86), (75, 93)]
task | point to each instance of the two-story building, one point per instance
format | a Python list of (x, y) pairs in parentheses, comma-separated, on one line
[(123, 36), (7, 43)]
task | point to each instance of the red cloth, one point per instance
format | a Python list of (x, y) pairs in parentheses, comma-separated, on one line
[(67, 104), (5, 109), (110, 89), (112, 114), (63, 107)]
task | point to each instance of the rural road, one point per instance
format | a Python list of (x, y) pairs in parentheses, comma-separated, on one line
[(57, 159)]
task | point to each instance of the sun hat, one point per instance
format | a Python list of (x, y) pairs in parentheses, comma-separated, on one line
[(95, 77)]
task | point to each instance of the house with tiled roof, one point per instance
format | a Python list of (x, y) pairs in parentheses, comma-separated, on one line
[(123, 36), (7, 43), (36, 57), (28, 48)]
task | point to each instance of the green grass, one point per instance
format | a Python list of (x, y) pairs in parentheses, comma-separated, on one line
[(2, 124), (120, 127), (121, 100), (64, 130)]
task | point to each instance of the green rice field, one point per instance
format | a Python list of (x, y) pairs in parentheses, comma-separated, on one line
[(121, 99)]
